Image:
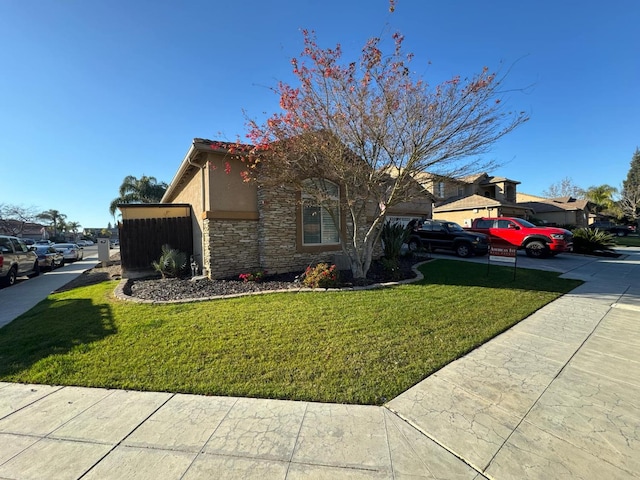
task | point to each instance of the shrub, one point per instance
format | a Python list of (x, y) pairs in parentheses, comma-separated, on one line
[(253, 277), (393, 235), (391, 268), (321, 276), (172, 262), (589, 241)]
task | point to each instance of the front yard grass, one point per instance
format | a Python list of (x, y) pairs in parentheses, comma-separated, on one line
[(629, 241), (362, 347)]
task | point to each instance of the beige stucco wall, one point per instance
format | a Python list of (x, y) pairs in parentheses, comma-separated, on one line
[(463, 217), (192, 193), (227, 191), (567, 217)]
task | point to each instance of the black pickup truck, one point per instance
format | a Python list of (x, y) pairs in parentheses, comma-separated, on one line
[(441, 234)]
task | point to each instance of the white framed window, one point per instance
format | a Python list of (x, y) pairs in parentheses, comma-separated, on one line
[(440, 190), (318, 225)]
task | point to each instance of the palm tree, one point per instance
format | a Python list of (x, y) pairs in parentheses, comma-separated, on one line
[(602, 197), (55, 218), (74, 227), (143, 190)]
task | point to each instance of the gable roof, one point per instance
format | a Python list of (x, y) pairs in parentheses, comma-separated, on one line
[(489, 180), (560, 204), (193, 160), (468, 202)]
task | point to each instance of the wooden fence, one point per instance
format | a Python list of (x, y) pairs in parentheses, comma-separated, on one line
[(141, 240)]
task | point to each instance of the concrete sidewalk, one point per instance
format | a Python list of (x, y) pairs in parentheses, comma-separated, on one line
[(26, 294), (556, 396)]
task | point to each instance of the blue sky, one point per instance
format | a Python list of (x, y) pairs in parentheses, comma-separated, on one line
[(93, 91)]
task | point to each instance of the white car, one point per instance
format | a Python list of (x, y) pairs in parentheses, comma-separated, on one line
[(71, 251)]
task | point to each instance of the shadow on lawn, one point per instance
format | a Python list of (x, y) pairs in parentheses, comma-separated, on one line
[(461, 273), (51, 328)]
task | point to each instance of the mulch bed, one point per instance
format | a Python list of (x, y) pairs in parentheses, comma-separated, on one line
[(158, 289)]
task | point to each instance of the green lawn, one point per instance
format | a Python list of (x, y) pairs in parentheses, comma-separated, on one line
[(630, 241), (361, 347)]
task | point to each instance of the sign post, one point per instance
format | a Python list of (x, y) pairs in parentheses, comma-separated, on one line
[(503, 252)]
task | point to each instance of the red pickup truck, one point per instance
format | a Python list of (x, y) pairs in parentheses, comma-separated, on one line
[(538, 242)]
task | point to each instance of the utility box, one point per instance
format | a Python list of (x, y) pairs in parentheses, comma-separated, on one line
[(103, 250)]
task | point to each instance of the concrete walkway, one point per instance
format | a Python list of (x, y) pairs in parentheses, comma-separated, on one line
[(26, 293), (556, 396)]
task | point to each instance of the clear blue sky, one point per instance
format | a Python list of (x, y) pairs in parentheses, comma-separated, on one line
[(93, 91)]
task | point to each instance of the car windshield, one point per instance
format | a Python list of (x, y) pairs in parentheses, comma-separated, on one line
[(526, 224), (453, 227)]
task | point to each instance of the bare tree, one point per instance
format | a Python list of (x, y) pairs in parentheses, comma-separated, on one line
[(13, 218), (630, 203), (564, 188), (371, 127)]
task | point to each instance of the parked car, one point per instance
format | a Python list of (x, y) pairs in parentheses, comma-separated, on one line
[(16, 260), (618, 230), (44, 242), (114, 243), (537, 242), (441, 234), (71, 251), (48, 257), (84, 243)]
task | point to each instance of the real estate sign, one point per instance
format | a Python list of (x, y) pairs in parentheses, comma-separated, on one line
[(502, 252)]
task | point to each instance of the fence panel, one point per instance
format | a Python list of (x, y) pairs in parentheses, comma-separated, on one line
[(141, 240)]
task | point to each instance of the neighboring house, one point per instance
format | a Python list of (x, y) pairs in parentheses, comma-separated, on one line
[(16, 228), (239, 228), (461, 200), (558, 211)]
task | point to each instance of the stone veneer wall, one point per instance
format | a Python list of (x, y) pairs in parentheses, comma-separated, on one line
[(240, 246), (232, 248), (277, 233)]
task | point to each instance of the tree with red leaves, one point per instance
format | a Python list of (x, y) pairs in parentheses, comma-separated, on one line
[(371, 127)]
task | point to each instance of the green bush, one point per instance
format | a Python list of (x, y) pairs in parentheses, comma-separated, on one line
[(172, 262), (391, 268), (393, 235), (590, 241), (321, 276)]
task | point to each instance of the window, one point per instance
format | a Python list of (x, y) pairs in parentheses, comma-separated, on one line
[(440, 190), (318, 227)]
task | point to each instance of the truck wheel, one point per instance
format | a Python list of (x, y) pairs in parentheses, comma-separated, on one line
[(621, 233), (536, 249), (463, 250), (10, 279), (414, 245)]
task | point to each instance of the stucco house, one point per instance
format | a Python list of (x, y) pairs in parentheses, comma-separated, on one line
[(239, 227), (558, 211), (462, 199)]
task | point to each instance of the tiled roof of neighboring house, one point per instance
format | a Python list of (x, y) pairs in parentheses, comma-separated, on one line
[(465, 203), (546, 205), (473, 178), (491, 180), (27, 229)]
